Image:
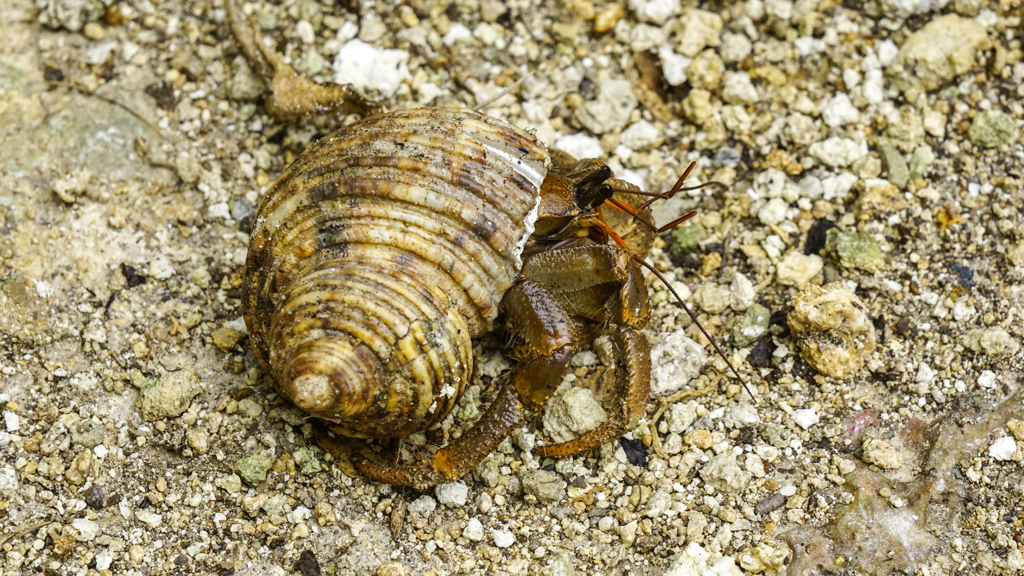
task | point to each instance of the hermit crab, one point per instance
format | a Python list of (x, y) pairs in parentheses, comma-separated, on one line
[(386, 247)]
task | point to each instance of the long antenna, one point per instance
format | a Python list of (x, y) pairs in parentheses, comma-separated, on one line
[(693, 317)]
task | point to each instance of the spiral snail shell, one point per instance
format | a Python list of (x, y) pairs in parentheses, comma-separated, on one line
[(379, 254)]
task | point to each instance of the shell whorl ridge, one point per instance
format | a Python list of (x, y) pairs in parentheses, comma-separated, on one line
[(379, 253)]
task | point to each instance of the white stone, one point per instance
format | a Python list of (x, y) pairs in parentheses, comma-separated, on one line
[(454, 494), (457, 32), (148, 518), (103, 560), (770, 183), (367, 68), (694, 560), (797, 269), (737, 120), (987, 379), (735, 47), (304, 30), (654, 11), (838, 186), (699, 30), (424, 506), (640, 135), (674, 65), (804, 418), (874, 86), (571, 412), (838, 152), (474, 530), (840, 111), (12, 421), (644, 37), (742, 293), (773, 212), (503, 538), (584, 358), (739, 89), (161, 268), (580, 146), (851, 78), (87, 529), (781, 9), (934, 123), (675, 360), (611, 109), (1003, 448), (887, 51)]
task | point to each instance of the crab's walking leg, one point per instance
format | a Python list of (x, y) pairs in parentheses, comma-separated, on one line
[(539, 321), (573, 275), (633, 386)]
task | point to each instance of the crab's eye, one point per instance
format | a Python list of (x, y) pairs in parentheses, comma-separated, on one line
[(591, 190), (602, 193)]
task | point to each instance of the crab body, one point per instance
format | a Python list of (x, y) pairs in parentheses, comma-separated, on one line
[(388, 246)]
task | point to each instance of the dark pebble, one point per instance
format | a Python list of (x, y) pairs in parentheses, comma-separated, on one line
[(163, 93), (307, 564), (96, 497), (761, 354), (635, 451), (816, 236), (132, 276)]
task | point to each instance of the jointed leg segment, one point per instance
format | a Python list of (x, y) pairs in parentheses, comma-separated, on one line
[(538, 319)]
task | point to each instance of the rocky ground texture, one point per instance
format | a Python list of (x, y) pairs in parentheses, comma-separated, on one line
[(863, 268)]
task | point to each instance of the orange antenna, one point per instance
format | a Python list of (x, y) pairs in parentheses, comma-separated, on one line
[(636, 214)]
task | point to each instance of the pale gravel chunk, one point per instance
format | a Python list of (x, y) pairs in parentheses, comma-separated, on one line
[(838, 152), (797, 269), (943, 49), (804, 418), (368, 68), (453, 494), (881, 454), (833, 328), (571, 412), (474, 530), (503, 538), (1003, 448), (698, 29), (675, 360)]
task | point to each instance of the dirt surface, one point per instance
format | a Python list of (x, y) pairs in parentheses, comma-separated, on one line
[(863, 268)]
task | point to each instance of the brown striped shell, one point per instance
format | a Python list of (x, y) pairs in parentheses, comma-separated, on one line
[(379, 254)]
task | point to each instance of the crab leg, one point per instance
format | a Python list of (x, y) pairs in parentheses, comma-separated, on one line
[(633, 386), (536, 318)]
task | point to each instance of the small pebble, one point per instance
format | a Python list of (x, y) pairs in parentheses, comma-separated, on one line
[(804, 418), (503, 538), (881, 454), (474, 530), (1003, 448), (453, 494)]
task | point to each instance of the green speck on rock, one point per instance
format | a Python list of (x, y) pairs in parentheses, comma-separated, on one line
[(686, 239), (899, 174), (751, 326), (307, 462), (853, 250), (992, 129), (921, 161), (253, 469)]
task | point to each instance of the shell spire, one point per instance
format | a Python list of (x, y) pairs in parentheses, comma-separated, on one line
[(379, 254)]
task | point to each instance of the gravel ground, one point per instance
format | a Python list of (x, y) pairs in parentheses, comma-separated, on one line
[(862, 268)]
